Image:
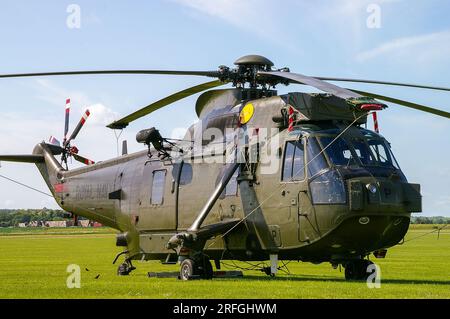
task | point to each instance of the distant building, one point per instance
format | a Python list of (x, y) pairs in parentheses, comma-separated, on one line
[(56, 223), (60, 223), (36, 224), (84, 223)]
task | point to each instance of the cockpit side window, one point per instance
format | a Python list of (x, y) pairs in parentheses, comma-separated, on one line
[(382, 153), (294, 162), (363, 152), (338, 151), (315, 159)]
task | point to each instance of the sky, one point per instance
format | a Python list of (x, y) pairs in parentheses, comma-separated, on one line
[(392, 40)]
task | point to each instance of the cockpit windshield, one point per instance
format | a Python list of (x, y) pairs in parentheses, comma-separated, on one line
[(351, 151)]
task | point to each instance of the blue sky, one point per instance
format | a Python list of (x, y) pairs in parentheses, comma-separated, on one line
[(322, 38)]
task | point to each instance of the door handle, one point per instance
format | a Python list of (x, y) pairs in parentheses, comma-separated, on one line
[(173, 186)]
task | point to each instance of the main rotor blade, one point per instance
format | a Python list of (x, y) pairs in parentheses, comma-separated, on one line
[(123, 122), (78, 127), (314, 82), (82, 159), (405, 103), (420, 86), (161, 72)]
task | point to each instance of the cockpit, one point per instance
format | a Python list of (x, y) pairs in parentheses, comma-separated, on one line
[(325, 158), (350, 151)]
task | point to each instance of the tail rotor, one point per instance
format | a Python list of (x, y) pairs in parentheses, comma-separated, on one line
[(66, 149)]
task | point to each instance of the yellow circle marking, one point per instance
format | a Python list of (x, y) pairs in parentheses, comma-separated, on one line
[(247, 113)]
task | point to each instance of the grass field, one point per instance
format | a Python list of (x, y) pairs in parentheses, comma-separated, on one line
[(33, 265)]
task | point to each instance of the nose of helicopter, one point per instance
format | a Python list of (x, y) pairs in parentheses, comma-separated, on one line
[(383, 195), (378, 215), (363, 234)]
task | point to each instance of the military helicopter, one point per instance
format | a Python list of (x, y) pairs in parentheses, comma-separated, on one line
[(259, 177)]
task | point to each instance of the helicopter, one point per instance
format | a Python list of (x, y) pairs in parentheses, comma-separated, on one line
[(260, 176)]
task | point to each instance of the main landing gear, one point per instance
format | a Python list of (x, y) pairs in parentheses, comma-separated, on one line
[(357, 269), (125, 268), (196, 268)]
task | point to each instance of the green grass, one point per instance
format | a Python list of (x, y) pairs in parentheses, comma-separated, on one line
[(33, 265), (12, 231)]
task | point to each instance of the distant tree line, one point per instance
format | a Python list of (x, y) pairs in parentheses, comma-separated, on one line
[(430, 220), (12, 217)]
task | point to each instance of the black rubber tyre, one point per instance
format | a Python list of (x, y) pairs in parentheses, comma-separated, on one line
[(363, 269), (188, 269), (357, 269), (206, 269), (350, 271), (123, 269)]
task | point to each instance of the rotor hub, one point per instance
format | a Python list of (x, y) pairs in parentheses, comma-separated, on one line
[(254, 60), (246, 71)]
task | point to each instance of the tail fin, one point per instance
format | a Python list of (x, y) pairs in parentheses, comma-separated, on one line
[(43, 157)]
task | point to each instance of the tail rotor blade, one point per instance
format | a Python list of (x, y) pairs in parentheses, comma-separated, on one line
[(83, 160), (54, 141), (78, 127), (66, 126)]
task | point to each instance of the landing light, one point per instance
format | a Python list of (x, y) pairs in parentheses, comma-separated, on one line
[(372, 188)]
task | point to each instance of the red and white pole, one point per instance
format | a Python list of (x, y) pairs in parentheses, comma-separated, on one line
[(291, 119), (375, 122)]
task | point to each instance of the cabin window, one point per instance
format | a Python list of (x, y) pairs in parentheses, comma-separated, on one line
[(294, 161), (186, 173), (158, 185)]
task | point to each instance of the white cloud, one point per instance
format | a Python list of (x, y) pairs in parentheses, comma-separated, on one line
[(258, 17), (420, 47), (178, 132), (101, 115), (55, 95), (242, 14)]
